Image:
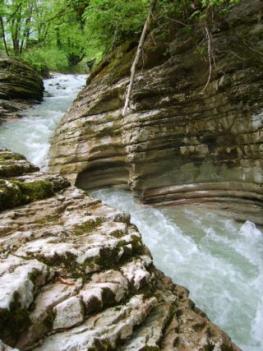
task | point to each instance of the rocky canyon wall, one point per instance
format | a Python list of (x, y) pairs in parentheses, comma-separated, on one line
[(179, 143), (75, 275)]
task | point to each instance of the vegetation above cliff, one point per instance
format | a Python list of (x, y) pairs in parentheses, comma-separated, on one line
[(58, 34)]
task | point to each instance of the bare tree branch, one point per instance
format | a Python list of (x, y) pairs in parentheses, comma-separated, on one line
[(137, 56), (210, 56)]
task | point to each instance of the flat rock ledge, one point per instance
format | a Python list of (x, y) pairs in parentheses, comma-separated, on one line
[(75, 275)]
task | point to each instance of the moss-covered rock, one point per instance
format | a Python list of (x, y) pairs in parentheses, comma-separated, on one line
[(20, 185), (13, 164)]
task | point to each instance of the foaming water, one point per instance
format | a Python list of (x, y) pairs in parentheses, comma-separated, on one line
[(30, 135), (217, 259)]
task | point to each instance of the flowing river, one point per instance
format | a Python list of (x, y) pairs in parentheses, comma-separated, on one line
[(31, 134), (217, 259)]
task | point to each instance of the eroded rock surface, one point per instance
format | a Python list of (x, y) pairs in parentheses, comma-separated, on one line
[(20, 85), (179, 144), (75, 275), (25, 187)]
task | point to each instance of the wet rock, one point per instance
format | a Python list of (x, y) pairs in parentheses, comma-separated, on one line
[(75, 275), (178, 144)]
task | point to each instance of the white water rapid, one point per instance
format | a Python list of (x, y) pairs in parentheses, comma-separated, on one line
[(218, 260)]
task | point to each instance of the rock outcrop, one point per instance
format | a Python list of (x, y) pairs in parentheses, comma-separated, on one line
[(75, 275), (20, 85), (179, 144)]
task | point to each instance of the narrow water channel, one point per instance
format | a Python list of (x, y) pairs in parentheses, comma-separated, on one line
[(31, 134), (217, 259)]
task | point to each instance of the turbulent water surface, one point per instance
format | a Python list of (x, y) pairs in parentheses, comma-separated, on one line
[(30, 135), (218, 260)]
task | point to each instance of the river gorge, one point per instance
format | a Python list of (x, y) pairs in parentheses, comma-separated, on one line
[(218, 259), (131, 196)]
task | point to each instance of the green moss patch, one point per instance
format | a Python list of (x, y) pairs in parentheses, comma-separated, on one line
[(13, 323), (88, 226), (15, 192)]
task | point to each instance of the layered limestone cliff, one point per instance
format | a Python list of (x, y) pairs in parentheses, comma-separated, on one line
[(179, 144), (20, 85), (75, 275)]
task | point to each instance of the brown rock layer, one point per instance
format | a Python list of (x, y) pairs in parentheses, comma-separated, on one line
[(75, 275), (179, 143), (20, 85)]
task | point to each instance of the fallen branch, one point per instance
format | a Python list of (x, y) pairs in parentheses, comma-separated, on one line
[(210, 56), (137, 57)]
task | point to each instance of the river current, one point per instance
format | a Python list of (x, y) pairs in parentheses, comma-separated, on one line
[(31, 134), (218, 260)]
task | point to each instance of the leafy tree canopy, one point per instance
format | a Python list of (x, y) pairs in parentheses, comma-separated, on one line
[(58, 34)]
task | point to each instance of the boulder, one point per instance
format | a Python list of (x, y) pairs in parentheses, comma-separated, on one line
[(75, 275), (179, 144), (20, 86)]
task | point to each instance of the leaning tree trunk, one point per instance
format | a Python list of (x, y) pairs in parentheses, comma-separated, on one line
[(137, 56)]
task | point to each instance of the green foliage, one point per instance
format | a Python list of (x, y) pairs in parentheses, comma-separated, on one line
[(44, 32), (218, 2), (109, 22), (190, 9), (58, 34), (46, 58)]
